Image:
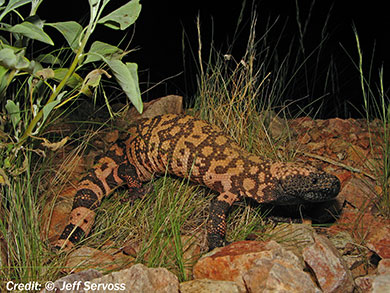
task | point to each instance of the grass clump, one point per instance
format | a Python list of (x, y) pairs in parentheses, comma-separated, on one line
[(245, 95), (160, 228), (24, 255), (376, 105)]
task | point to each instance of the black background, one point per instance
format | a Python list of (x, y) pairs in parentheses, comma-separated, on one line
[(158, 36)]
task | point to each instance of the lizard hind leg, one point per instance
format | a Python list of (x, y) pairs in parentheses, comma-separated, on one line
[(216, 226)]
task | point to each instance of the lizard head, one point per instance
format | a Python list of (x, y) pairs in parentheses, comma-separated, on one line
[(295, 183)]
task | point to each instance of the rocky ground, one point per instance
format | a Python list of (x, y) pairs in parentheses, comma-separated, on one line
[(352, 255)]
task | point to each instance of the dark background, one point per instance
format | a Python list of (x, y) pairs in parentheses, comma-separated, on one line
[(158, 34)]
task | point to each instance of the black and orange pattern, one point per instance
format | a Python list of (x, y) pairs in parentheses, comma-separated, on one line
[(192, 148)]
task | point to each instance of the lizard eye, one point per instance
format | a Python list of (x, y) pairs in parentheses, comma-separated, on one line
[(314, 180)]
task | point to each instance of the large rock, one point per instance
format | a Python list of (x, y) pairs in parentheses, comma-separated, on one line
[(255, 266), (139, 279), (381, 284), (88, 258), (328, 265), (75, 281), (278, 275)]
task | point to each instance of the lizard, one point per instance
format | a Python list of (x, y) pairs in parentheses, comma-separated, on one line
[(192, 148)]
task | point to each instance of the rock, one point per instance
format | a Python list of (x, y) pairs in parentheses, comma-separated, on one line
[(356, 155), (384, 266), (77, 279), (354, 254), (295, 236), (305, 139), (339, 146), (381, 284), (302, 122), (379, 240), (315, 146), (339, 126), (55, 216), (57, 208), (139, 278), (206, 286), (230, 262), (328, 266), (364, 284), (278, 275), (242, 262), (171, 104), (356, 191), (87, 257), (376, 283), (277, 127)]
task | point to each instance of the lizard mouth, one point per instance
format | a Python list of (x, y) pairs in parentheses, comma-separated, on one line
[(291, 196)]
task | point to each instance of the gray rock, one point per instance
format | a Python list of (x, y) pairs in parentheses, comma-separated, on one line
[(74, 283), (206, 286), (137, 278)]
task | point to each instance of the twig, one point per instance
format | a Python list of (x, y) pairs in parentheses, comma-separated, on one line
[(333, 162)]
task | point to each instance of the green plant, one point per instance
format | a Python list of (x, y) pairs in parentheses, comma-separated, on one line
[(376, 104), (39, 90), (31, 89)]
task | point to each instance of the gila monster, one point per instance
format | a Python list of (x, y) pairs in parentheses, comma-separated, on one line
[(192, 148)]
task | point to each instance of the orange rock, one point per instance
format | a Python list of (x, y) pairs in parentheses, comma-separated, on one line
[(384, 266), (358, 192), (328, 265), (343, 176), (339, 126), (305, 139), (246, 261), (356, 155), (379, 239)]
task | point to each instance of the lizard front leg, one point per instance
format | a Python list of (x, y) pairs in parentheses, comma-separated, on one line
[(111, 171), (216, 226)]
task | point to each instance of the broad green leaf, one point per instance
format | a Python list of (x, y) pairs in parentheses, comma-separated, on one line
[(70, 30), (127, 77), (14, 112), (75, 81), (122, 17), (45, 73), (102, 51), (35, 20), (10, 60), (12, 5), (31, 31)]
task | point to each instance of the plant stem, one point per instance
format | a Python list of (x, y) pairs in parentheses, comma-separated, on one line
[(58, 89)]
